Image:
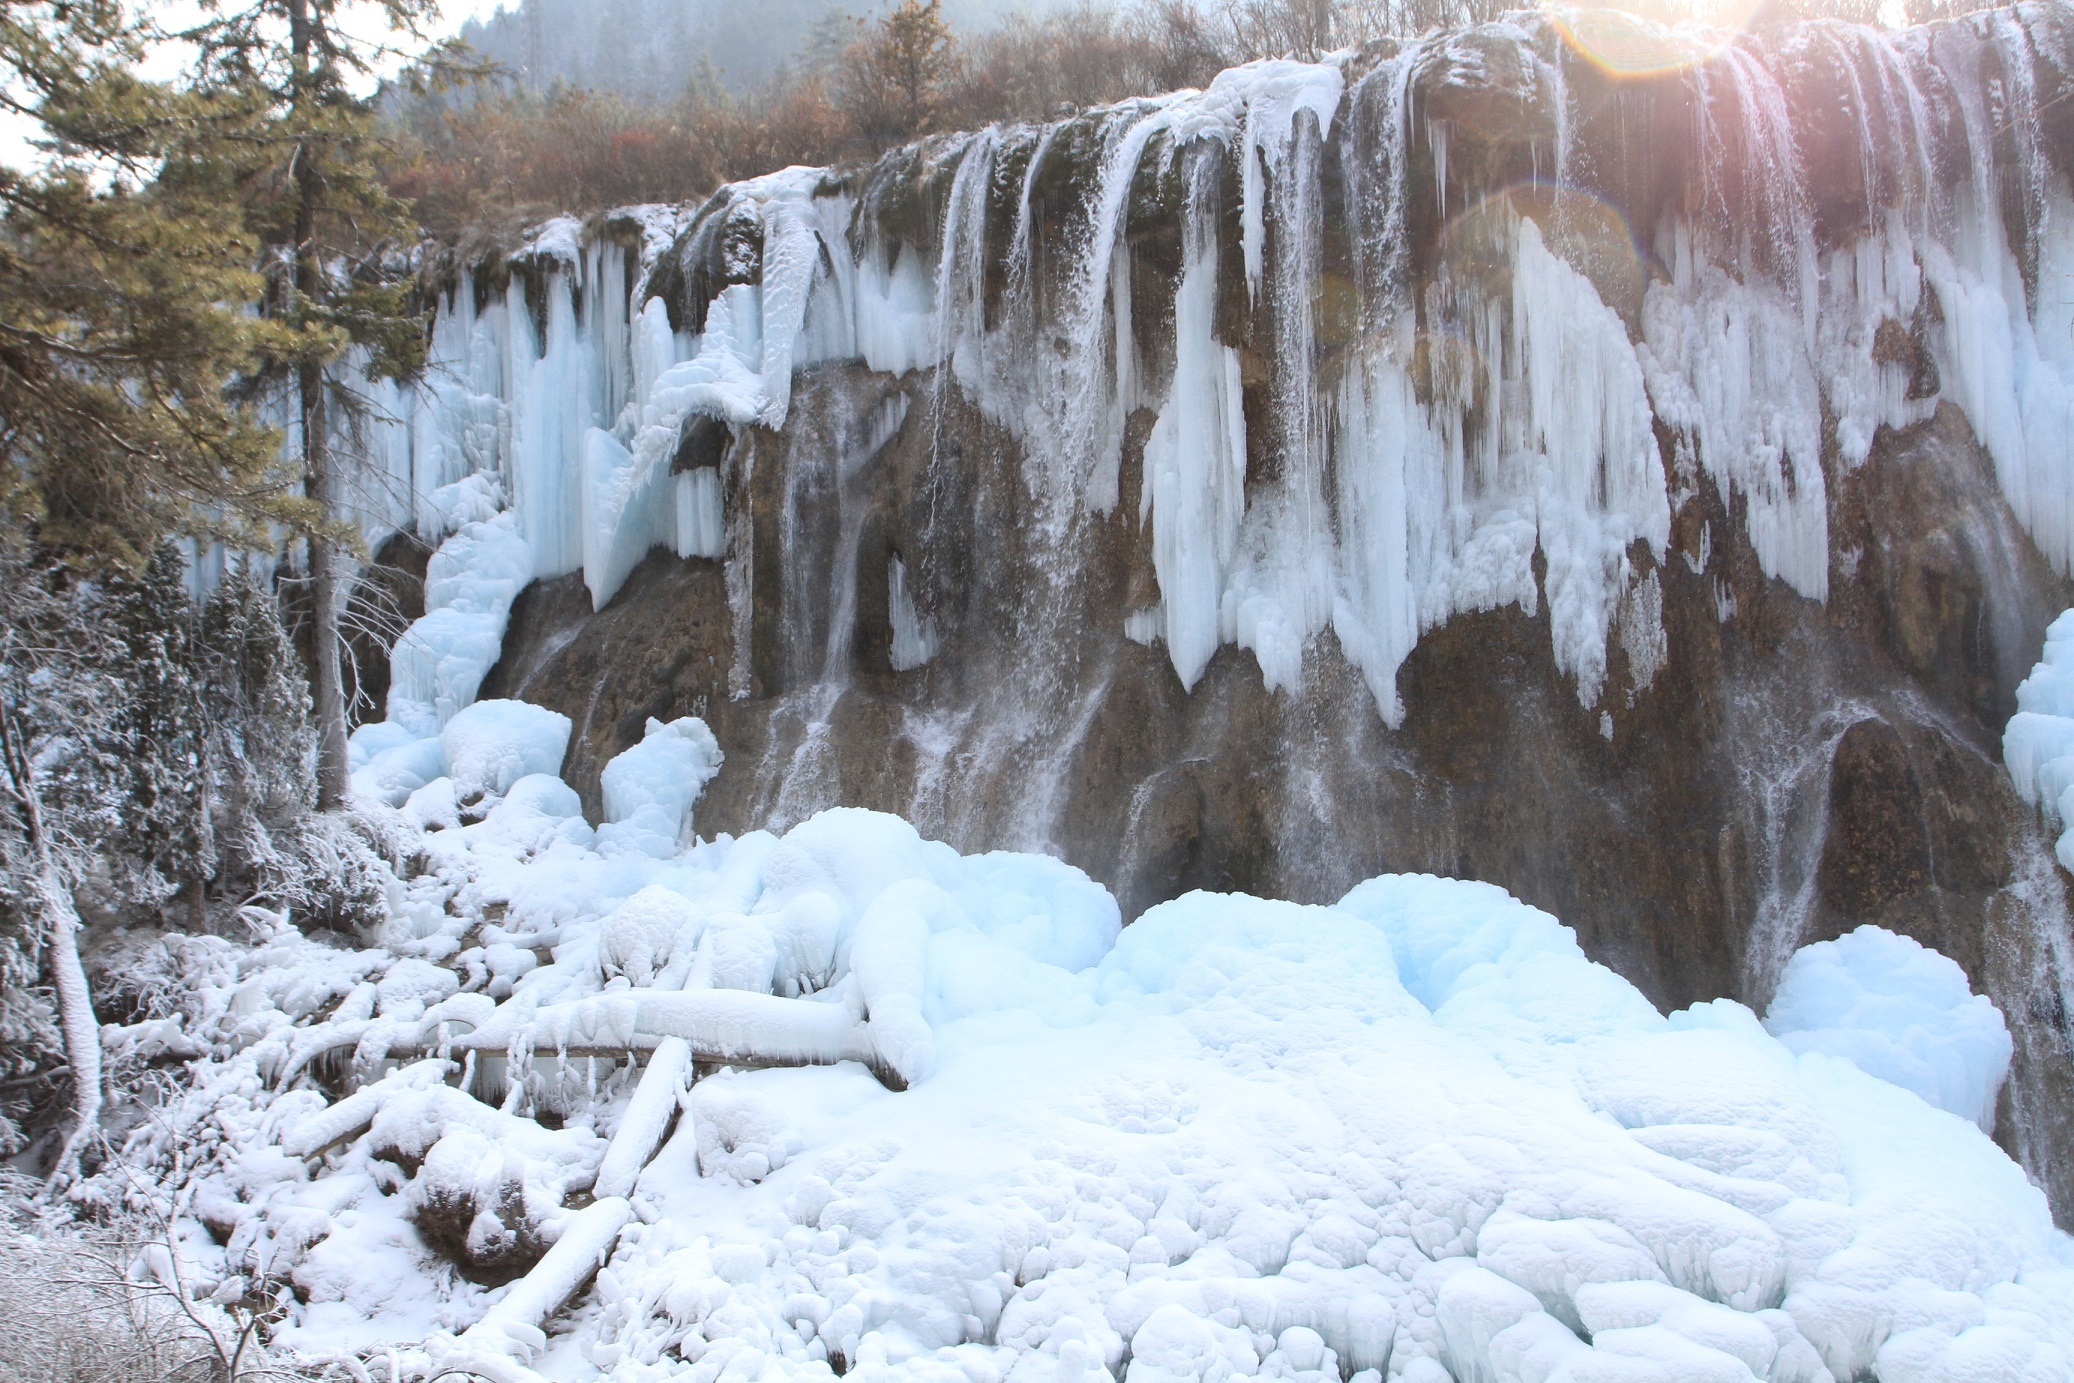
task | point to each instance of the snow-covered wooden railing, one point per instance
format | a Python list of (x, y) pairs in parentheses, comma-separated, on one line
[(722, 1027)]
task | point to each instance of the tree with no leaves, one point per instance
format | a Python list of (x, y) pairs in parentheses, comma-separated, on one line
[(893, 76)]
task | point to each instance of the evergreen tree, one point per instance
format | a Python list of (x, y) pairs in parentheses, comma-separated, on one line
[(149, 749), (131, 375), (123, 265), (333, 234), (164, 841), (62, 771), (257, 784)]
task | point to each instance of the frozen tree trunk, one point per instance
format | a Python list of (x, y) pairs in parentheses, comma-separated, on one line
[(559, 1275), (327, 684), (82, 1031), (75, 1017), (647, 1119)]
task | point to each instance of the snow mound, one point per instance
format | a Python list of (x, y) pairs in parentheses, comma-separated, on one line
[(844, 1099), (1902, 1012), (492, 744), (440, 661), (650, 787)]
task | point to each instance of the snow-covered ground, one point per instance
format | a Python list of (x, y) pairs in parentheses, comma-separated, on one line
[(847, 1100)]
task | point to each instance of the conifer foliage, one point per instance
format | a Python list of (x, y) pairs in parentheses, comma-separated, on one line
[(335, 238), (157, 767), (124, 261), (187, 255)]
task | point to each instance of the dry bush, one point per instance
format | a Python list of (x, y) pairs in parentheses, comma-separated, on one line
[(1088, 54), (891, 81), (568, 150), (868, 87), (864, 86), (71, 1317)]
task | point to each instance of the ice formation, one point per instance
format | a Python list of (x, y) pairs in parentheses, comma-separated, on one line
[(1494, 408), (2038, 744), (1901, 1012), (845, 1100), (616, 1100)]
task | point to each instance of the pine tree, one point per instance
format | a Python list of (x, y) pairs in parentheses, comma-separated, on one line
[(62, 772), (153, 748), (331, 228), (165, 841), (258, 782), (127, 264), (123, 265)]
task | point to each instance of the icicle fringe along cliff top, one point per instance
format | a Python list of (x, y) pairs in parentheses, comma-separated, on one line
[(1423, 329)]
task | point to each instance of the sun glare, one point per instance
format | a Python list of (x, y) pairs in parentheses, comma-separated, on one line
[(1652, 37)]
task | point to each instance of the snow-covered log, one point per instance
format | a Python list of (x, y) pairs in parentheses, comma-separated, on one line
[(514, 1322), (647, 1118), (351, 1116), (75, 1016), (375, 1038)]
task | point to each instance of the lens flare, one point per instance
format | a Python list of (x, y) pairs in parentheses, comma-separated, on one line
[(1649, 39)]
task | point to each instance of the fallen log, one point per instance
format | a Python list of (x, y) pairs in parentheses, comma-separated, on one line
[(512, 1327), (646, 1120)]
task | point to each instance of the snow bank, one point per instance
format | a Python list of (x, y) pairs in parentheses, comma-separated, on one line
[(1901, 1012), (512, 1326), (1417, 1132)]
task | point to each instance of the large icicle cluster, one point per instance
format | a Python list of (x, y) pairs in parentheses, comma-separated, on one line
[(1426, 420)]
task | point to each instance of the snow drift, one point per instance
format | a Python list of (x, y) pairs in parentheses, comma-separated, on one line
[(1416, 1132)]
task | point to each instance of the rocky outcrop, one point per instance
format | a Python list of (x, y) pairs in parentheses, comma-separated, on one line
[(1794, 770)]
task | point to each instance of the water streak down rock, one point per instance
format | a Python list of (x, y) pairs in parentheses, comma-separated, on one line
[(1642, 492)]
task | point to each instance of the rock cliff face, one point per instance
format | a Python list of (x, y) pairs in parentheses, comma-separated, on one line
[(1643, 490)]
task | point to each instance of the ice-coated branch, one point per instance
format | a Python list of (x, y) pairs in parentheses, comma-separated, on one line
[(76, 1018), (516, 1319), (351, 1116)]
